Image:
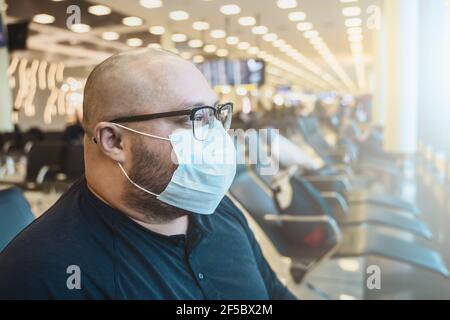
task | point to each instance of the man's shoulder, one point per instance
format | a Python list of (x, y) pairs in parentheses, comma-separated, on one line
[(230, 209), (52, 228), (42, 255)]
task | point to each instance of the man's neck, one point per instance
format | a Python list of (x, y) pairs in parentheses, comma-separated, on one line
[(178, 226)]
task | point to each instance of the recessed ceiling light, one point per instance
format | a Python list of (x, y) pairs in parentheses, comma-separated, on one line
[(232, 40), (353, 22), (200, 25), (286, 4), (195, 43), (311, 34), (253, 50), (270, 37), (222, 52), (134, 42), (210, 48), (355, 38), (99, 10), (230, 9), (186, 55), (132, 21), (279, 43), (44, 18), (110, 36), (198, 59), (150, 4), (297, 16), (304, 26), (243, 45), (247, 21), (354, 30), (154, 45), (179, 37), (351, 11), (260, 30), (157, 30), (179, 15), (80, 28), (218, 34)]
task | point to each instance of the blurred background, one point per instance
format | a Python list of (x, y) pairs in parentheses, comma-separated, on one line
[(357, 90)]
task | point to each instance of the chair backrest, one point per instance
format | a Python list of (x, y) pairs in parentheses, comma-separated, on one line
[(43, 153), (299, 241), (15, 214)]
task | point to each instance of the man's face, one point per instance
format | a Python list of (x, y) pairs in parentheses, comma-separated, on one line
[(151, 165)]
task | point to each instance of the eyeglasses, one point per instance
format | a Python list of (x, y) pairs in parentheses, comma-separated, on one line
[(202, 118)]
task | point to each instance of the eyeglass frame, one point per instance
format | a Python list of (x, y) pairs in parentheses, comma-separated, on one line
[(188, 112)]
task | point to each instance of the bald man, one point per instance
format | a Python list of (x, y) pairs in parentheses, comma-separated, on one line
[(146, 222)]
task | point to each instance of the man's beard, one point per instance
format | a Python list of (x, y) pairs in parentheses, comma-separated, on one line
[(151, 173)]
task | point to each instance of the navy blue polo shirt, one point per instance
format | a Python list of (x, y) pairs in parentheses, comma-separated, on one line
[(83, 249)]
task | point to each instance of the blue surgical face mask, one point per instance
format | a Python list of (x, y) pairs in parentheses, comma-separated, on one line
[(205, 169)]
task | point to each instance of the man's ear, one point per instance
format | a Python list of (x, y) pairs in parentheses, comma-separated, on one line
[(109, 138)]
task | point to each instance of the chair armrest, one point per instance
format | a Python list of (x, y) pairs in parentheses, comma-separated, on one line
[(306, 219), (338, 202), (334, 182)]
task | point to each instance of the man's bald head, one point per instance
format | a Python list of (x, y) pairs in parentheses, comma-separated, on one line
[(137, 82)]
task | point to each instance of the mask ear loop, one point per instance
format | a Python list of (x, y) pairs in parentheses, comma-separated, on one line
[(141, 133), (134, 183)]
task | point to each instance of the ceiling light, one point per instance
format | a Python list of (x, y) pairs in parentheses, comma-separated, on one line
[(200, 25), (230, 9), (80, 28), (134, 42), (297, 16), (232, 40), (356, 46), (355, 38), (210, 48), (195, 43), (179, 15), (351, 11), (354, 30), (154, 45), (304, 26), (99, 10), (279, 43), (110, 36), (311, 34), (186, 55), (260, 30), (316, 40), (253, 50), (247, 21), (243, 45), (286, 4), (222, 52), (44, 18), (353, 22), (151, 4), (218, 34), (179, 37), (198, 59), (157, 30), (132, 21), (270, 37)]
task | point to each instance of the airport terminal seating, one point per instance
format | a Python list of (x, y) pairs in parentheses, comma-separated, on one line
[(15, 214), (263, 204)]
